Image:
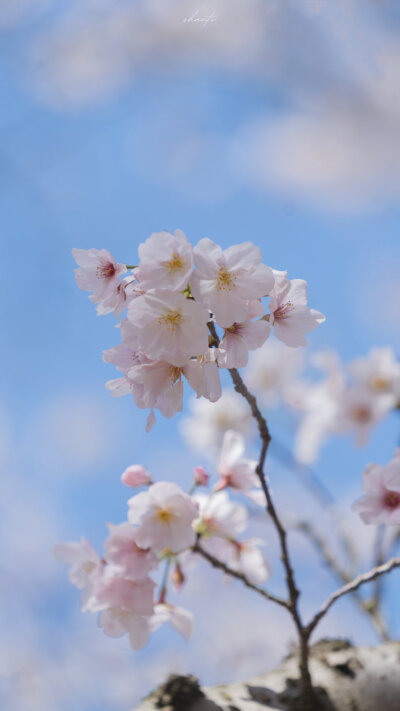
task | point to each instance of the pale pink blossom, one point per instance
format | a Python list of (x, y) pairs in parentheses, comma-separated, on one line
[(119, 299), (136, 475), (166, 261), (114, 590), (204, 430), (289, 314), (360, 409), (159, 384), (169, 326), (380, 371), (272, 370), (234, 470), (240, 338), (219, 516), (381, 500), (219, 522), (98, 272), (164, 515), (200, 476), (86, 564), (226, 281), (134, 563), (320, 403), (209, 384), (123, 357), (332, 406), (119, 387), (116, 621), (181, 620), (247, 558), (129, 334)]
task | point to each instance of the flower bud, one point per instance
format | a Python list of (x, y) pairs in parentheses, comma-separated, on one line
[(136, 475), (201, 477)]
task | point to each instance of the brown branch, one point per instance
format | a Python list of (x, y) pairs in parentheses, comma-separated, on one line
[(351, 587), (308, 692), (367, 606), (241, 388), (236, 574)]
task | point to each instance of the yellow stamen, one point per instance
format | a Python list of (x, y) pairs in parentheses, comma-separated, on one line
[(171, 320), (176, 262), (174, 373), (378, 382), (225, 279), (164, 516)]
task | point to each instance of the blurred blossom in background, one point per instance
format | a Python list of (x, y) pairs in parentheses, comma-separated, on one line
[(276, 122)]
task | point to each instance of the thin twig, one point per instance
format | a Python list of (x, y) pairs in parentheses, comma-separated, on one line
[(367, 606), (236, 574), (378, 559), (351, 587)]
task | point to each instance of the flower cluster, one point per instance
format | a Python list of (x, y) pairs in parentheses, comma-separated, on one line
[(162, 527), (350, 399), (174, 299)]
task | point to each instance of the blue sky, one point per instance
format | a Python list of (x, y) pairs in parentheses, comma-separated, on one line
[(88, 160)]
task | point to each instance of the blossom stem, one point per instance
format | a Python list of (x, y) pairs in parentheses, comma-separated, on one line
[(351, 587), (164, 583), (308, 693), (236, 574), (367, 606)]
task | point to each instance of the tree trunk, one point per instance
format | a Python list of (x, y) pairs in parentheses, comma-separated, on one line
[(345, 678)]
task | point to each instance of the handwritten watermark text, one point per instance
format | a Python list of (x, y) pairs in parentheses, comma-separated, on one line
[(201, 20)]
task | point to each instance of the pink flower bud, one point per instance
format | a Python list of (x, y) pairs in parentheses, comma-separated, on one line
[(136, 475), (201, 477)]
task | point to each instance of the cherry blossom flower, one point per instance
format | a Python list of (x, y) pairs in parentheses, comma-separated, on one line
[(289, 314), (181, 620), (235, 471), (360, 410), (272, 370), (116, 621), (381, 500), (159, 384), (98, 272), (166, 261), (122, 551), (123, 357), (87, 565), (379, 371), (205, 429), (119, 387), (219, 516), (209, 384), (114, 590), (136, 475), (164, 516), (226, 281), (219, 523), (119, 299), (169, 326), (320, 403), (247, 559), (240, 338)]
